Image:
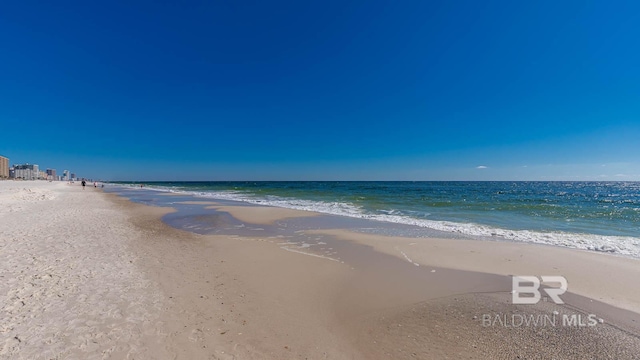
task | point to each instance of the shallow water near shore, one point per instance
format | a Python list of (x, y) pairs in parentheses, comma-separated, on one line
[(596, 216), (196, 214)]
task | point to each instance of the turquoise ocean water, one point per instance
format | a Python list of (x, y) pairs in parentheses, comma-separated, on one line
[(598, 216)]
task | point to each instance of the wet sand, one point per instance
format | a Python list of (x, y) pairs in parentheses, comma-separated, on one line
[(263, 215)]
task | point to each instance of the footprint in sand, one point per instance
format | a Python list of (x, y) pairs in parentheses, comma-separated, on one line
[(196, 335)]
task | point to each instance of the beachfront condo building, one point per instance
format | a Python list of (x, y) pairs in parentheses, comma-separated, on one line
[(51, 174), (27, 172), (4, 167)]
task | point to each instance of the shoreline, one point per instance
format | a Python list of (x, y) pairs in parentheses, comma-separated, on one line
[(241, 296), (619, 244), (620, 316), (494, 256)]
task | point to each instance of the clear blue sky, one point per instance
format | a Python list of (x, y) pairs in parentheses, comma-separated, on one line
[(300, 90)]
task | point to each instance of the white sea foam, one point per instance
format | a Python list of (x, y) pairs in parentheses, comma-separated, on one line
[(620, 245)]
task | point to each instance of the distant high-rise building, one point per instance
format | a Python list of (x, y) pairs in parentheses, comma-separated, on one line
[(4, 167), (51, 174), (73, 176), (65, 175), (27, 171)]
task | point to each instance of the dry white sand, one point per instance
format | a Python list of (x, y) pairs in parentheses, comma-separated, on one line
[(69, 287)]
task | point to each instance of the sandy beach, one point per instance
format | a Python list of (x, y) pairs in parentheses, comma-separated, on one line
[(90, 275)]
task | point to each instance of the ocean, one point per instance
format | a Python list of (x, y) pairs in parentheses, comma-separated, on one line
[(596, 216)]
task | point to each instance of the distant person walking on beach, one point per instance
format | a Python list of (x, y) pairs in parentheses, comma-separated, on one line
[(83, 184)]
